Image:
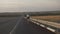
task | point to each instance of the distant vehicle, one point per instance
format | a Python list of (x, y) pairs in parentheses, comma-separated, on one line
[(27, 16)]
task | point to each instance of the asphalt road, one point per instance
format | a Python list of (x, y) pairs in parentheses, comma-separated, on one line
[(7, 24), (16, 25)]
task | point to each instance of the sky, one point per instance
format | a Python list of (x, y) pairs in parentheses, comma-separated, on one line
[(29, 5)]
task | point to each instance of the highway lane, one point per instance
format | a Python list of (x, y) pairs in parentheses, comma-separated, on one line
[(24, 26), (7, 24), (20, 25)]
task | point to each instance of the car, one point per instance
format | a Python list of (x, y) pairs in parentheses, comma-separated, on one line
[(27, 16)]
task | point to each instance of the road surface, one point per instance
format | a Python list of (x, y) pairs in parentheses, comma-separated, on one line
[(16, 25), (7, 24)]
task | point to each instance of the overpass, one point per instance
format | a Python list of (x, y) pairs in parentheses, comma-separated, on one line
[(52, 26)]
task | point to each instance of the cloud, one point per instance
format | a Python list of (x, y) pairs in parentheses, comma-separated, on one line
[(34, 5)]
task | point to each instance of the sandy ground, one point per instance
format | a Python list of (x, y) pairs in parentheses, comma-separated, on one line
[(55, 18)]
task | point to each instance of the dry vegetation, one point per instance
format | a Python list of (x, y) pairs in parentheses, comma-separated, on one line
[(55, 18)]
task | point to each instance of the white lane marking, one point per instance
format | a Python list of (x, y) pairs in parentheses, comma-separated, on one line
[(15, 26), (51, 29), (37, 23), (44, 26)]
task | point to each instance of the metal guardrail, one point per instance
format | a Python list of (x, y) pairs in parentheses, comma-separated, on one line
[(54, 27)]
